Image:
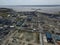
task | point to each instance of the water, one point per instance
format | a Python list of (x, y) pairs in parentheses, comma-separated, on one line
[(47, 9)]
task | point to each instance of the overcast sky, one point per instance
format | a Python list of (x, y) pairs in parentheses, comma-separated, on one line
[(29, 2)]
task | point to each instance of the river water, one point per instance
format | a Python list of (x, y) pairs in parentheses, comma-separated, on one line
[(53, 9)]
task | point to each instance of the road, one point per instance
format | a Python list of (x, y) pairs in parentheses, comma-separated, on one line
[(38, 27), (10, 35), (5, 41)]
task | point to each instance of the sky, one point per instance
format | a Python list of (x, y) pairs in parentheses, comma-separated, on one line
[(29, 2)]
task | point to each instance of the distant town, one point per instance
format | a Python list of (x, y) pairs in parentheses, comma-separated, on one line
[(30, 27)]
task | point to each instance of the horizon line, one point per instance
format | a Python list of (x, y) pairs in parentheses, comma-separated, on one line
[(33, 5)]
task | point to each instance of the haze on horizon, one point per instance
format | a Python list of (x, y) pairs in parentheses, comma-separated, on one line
[(29, 2)]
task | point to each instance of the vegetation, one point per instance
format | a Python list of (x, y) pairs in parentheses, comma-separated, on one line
[(3, 14)]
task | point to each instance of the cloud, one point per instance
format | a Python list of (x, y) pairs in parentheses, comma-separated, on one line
[(29, 2)]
